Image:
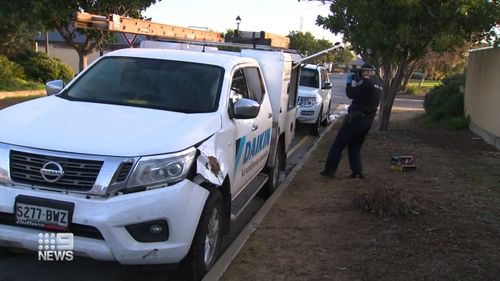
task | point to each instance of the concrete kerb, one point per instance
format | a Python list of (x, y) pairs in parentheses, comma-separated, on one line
[(232, 251), (17, 94)]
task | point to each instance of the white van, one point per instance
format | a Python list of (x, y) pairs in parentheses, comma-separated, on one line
[(148, 154)]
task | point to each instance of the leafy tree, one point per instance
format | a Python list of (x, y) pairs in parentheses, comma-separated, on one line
[(439, 65), (60, 15), (322, 44), (307, 44), (393, 34), (16, 29), (304, 43), (343, 56)]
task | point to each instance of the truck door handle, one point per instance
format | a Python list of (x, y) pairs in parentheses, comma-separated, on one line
[(269, 115), (255, 127)]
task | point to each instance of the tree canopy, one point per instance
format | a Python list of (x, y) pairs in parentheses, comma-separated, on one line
[(307, 44), (59, 15), (17, 29), (392, 34)]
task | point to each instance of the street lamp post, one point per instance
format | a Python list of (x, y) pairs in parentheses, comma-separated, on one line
[(238, 21)]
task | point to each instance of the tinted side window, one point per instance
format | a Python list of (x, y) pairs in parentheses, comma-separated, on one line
[(254, 82), (238, 86)]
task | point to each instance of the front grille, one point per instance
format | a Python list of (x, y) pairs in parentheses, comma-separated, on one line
[(79, 175), (124, 171), (77, 229)]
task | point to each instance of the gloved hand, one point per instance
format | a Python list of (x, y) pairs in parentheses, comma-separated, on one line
[(355, 83), (349, 78)]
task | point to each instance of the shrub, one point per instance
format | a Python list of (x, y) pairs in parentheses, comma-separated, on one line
[(388, 202), (444, 104), (39, 67), (411, 90), (10, 70), (415, 90)]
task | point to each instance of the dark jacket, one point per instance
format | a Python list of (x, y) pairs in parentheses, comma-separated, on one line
[(366, 96)]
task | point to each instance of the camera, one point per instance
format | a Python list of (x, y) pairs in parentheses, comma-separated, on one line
[(356, 73)]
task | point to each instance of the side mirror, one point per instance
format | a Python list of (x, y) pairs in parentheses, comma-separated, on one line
[(246, 109), (327, 86), (54, 87)]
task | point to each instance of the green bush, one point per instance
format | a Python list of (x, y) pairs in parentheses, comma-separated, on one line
[(411, 90), (444, 104), (39, 67), (10, 70)]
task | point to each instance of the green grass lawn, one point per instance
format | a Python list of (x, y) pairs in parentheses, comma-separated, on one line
[(413, 88), (20, 85), (429, 84)]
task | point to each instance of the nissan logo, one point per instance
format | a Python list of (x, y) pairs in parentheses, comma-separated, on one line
[(52, 171)]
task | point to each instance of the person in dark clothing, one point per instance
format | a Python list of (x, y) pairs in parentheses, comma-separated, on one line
[(365, 94)]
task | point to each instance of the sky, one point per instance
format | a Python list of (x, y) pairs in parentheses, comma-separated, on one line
[(275, 16)]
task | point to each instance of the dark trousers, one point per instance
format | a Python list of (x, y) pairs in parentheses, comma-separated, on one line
[(351, 135)]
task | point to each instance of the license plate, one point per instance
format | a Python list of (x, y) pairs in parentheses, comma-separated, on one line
[(43, 213)]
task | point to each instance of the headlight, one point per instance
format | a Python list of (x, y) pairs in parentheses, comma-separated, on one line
[(306, 101), (162, 169)]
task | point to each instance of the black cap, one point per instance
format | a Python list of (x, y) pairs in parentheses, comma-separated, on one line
[(368, 66)]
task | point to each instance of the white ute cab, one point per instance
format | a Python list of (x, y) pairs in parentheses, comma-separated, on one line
[(314, 98), (147, 155)]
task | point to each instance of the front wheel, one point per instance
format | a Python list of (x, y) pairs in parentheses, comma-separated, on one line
[(314, 128), (326, 122), (6, 253), (206, 245), (274, 173)]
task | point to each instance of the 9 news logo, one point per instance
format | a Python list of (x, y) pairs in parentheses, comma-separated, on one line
[(55, 246)]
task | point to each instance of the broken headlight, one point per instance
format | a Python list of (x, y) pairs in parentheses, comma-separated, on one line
[(158, 170)]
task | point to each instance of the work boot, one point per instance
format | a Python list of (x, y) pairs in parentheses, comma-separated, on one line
[(359, 175), (327, 174)]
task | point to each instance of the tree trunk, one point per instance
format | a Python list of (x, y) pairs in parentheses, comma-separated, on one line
[(407, 76), (389, 94), (84, 49), (387, 75), (82, 60), (423, 79), (47, 43)]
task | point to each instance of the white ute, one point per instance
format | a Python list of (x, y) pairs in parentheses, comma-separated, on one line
[(314, 98), (148, 154)]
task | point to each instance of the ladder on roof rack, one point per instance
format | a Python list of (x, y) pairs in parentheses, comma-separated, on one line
[(118, 23)]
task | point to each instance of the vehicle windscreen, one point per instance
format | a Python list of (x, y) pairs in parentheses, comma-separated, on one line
[(309, 78), (151, 83)]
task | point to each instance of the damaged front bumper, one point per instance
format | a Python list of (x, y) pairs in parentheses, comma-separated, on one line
[(179, 205)]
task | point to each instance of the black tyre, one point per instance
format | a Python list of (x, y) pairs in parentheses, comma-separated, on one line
[(326, 121), (314, 128), (274, 173), (206, 245), (6, 253)]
